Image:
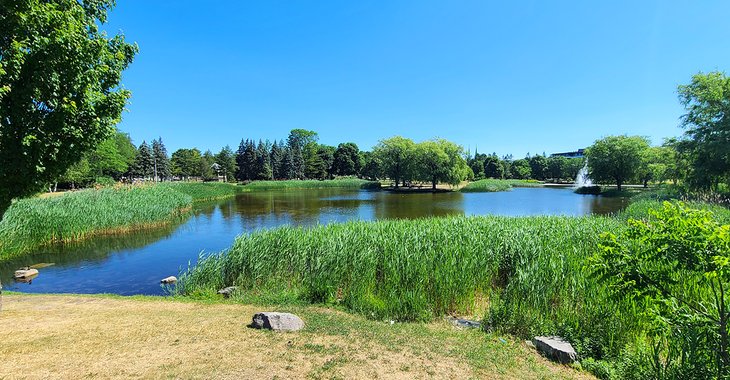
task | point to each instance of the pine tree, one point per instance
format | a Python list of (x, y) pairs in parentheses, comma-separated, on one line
[(161, 161), (240, 161), (276, 157), (263, 162), (144, 162)]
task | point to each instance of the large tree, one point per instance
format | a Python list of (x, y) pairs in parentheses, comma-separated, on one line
[(226, 159), (187, 163), (144, 162), (396, 156), (347, 160), (60, 92), (161, 161), (707, 123), (616, 159)]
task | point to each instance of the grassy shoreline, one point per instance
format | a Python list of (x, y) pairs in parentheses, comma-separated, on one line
[(34, 222), (490, 185), (77, 336)]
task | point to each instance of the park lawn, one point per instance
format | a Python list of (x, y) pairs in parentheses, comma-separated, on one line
[(72, 336)]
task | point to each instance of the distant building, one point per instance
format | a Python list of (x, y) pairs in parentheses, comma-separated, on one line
[(576, 154)]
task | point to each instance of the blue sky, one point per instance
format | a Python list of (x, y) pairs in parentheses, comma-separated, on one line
[(507, 76)]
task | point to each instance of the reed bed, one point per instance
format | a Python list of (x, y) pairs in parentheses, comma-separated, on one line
[(204, 191), (349, 183), (74, 216), (494, 185), (524, 275)]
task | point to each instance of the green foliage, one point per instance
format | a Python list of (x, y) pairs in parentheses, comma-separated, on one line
[(187, 163), (204, 191), (346, 160), (520, 169), (397, 158), (60, 91), (33, 222), (616, 159), (707, 123), (161, 160), (494, 185), (527, 276), (677, 263), (226, 159), (144, 162)]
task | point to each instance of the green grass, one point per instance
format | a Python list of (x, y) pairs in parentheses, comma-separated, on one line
[(351, 183), (525, 276), (493, 185), (31, 223), (204, 191)]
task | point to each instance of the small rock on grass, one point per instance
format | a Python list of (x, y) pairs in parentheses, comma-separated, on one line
[(555, 348), (464, 323), (227, 291), (277, 321)]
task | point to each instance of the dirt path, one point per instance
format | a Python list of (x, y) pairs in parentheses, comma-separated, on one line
[(57, 336)]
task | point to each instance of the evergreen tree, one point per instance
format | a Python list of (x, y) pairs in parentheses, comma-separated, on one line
[(263, 162), (240, 161), (161, 161), (276, 157), (143, 162), (227, 161)]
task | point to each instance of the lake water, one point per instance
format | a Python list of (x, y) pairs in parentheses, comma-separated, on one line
[(134, 263)]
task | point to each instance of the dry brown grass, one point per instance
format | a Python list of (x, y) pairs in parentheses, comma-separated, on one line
[(57, 336)]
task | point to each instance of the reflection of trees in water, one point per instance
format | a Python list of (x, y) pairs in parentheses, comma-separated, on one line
[(92, 250), (297, 207), (606, 206), (412, 206)]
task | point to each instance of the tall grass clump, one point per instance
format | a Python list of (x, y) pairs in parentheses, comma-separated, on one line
[(349, 183), (204, 191), (525, 275), (34, 222), (494, 185)]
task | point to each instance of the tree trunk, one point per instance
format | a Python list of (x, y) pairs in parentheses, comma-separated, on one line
[(618, 184), (433, 184)]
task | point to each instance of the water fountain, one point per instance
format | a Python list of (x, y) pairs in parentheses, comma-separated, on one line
[(584, 184)]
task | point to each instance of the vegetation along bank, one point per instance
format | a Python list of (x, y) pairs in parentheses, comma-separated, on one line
[(526, 276)]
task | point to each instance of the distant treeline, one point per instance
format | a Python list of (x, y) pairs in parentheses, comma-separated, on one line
[(301, 157)]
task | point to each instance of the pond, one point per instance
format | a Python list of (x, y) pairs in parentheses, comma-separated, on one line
[(134, 263)]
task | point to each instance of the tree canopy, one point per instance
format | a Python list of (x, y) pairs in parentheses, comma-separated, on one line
[(60, 92), (707, 123), (616, 159)]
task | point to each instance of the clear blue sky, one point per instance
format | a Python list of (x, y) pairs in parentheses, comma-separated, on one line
[(506, 76)]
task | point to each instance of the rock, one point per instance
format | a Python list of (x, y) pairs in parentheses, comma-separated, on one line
[(277, 321), (26, 272), (555, 348), (227, 291), (169, 280), (464, 323)]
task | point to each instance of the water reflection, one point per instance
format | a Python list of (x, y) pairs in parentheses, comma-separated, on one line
[(134, 263)]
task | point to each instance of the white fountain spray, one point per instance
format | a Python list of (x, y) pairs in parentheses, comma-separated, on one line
[(582, 179)]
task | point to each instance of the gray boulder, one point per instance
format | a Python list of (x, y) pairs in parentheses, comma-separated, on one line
[(464, 323), (169, 280), (555, 348), (277, 321), (227, 291)]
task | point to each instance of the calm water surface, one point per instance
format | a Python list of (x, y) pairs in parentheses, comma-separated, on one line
[(134, 263)]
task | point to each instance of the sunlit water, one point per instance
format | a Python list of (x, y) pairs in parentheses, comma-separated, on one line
[(134, 263)]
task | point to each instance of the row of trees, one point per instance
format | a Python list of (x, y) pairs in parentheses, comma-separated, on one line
[(700, 159), (538, 167)]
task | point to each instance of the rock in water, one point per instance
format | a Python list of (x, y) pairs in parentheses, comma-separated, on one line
[(169, 280), (25, 272), (555, 348), (227, 291), (277, 321)]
